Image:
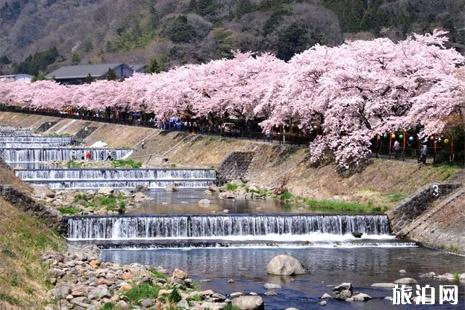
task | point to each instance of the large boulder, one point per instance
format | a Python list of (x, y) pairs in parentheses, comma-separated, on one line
[(248, 302), (361, 297), (284, 265), (105, 191), (406, 281), (43, 192), (179, 274)]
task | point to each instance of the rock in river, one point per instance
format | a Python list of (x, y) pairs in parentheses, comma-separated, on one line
[(284, 265), (343, 291), (406, 281), (248, 302)]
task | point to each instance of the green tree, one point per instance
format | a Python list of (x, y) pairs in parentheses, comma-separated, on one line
[(4, 60), (38, 62), (294, 39), (75, 59), (179, 30), (39, 77), (192, 6), (243, 7), (206, 7), (89, 79), (154, 67), (111, 76)]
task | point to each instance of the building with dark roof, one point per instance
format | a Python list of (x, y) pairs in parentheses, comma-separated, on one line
[(80, 74)]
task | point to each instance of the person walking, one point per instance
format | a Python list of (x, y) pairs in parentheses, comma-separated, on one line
[(423, 154), (396, 148)]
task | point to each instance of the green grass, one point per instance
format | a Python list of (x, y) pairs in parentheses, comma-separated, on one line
[(108, 306), (9, 299), (68, 210), (196, 297), (110, 202), (286, 196), (158, 274), (231, 186), (74, 164), (141, 291), (341, 206), (231, 307), (456, 276), (126, 163), (396, 197), (23, 240)]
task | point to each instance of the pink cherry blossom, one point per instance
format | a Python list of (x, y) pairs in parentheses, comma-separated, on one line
[(342, 97)]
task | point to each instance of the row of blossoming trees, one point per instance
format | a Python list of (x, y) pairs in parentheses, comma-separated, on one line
[(343, 96)]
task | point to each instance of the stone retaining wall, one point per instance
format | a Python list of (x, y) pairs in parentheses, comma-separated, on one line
[(234, 166), (25, 203), (416, 204)]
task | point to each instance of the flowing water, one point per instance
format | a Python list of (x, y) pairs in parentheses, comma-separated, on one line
[(285, 227), (38, 154), (327, 265), (174, 231), (119, 178)]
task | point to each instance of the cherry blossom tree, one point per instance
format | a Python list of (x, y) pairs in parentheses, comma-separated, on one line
[(342, 97)]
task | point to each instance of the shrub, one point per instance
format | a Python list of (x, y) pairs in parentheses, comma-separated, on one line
[(231, 187), (142, 291), (68, 210), (174, 296), (126, 163)]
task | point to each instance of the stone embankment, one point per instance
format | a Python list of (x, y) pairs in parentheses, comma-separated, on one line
[(433, 216), (82, 281), (19, 194)]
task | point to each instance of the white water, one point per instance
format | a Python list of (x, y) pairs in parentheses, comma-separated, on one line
[(16, 155), (229, 227)]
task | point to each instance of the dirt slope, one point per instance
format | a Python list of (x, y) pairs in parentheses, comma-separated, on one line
[(383, 183)]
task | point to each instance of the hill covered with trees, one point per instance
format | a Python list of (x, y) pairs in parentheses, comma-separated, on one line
[(37, 34)]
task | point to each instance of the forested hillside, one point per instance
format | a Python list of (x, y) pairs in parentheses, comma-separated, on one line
[(38, 35)]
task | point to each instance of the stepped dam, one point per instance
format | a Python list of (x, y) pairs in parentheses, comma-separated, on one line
[(277, 227), (118, 178), (37, 154)]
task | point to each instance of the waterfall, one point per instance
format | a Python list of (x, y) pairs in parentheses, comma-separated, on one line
[(11, 131), (25, 145), (36, 139), (59, 154), (118, 178), (221, 226), (115, 174)]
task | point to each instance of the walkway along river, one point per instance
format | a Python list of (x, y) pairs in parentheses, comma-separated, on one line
[(229, 252)]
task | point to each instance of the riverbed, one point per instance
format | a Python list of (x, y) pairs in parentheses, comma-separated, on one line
[(327, 266)]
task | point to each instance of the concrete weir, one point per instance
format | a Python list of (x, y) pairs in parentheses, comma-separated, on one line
[(31, 154)]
